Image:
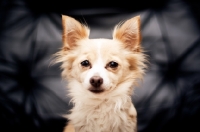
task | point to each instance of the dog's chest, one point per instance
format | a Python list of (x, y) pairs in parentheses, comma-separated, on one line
[(104, 117)]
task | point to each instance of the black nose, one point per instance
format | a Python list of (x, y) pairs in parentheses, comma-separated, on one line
[(96, 81)]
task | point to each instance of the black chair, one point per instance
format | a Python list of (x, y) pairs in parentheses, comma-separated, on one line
[(33, 96)]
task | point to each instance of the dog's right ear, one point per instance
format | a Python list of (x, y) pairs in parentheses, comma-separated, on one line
[(73, 31)]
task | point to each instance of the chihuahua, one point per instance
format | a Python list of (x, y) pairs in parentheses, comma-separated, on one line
[(101, 76)]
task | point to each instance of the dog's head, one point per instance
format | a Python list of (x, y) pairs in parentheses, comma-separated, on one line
[(101, 65)]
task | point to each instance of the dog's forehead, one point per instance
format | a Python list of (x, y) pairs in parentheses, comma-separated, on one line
[(101, 50), (101, 45), (103, 41)]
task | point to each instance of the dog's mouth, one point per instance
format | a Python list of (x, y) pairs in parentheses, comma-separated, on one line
[(94, 90)]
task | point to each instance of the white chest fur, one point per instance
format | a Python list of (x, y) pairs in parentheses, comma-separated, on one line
[(104, 116)]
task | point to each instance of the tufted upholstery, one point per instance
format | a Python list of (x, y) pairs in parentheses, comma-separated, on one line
[(33, 95)]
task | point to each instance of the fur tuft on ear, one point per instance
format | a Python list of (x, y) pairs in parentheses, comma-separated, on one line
[(129, 33), (73, 31)]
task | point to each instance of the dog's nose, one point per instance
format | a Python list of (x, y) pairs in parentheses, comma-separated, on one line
[(96, 81)]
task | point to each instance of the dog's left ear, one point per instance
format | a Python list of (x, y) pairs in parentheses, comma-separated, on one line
[(129, 33)]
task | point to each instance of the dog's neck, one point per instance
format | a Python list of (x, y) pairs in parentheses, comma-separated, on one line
[(113, 111), (113, 103)]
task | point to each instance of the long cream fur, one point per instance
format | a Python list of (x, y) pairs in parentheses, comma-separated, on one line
[(112, 110)]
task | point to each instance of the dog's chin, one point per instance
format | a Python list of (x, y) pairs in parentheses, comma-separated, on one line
[(96, 90)]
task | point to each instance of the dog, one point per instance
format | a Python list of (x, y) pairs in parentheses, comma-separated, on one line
[(101, 76)]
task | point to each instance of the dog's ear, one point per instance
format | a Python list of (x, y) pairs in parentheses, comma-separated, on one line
[(73, 31), (129, 33)]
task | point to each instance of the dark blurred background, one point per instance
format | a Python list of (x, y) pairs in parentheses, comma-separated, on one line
[(32, 93)]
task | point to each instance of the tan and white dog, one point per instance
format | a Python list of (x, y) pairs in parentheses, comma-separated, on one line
[(101, 75)]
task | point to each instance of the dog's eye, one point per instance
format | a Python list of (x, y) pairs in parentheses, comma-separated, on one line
[(113, 64), (85, 63)]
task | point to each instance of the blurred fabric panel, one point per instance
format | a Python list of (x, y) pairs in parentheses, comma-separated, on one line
[(33, 96)]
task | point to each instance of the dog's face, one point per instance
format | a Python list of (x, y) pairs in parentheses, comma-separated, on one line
[(101, 65)]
